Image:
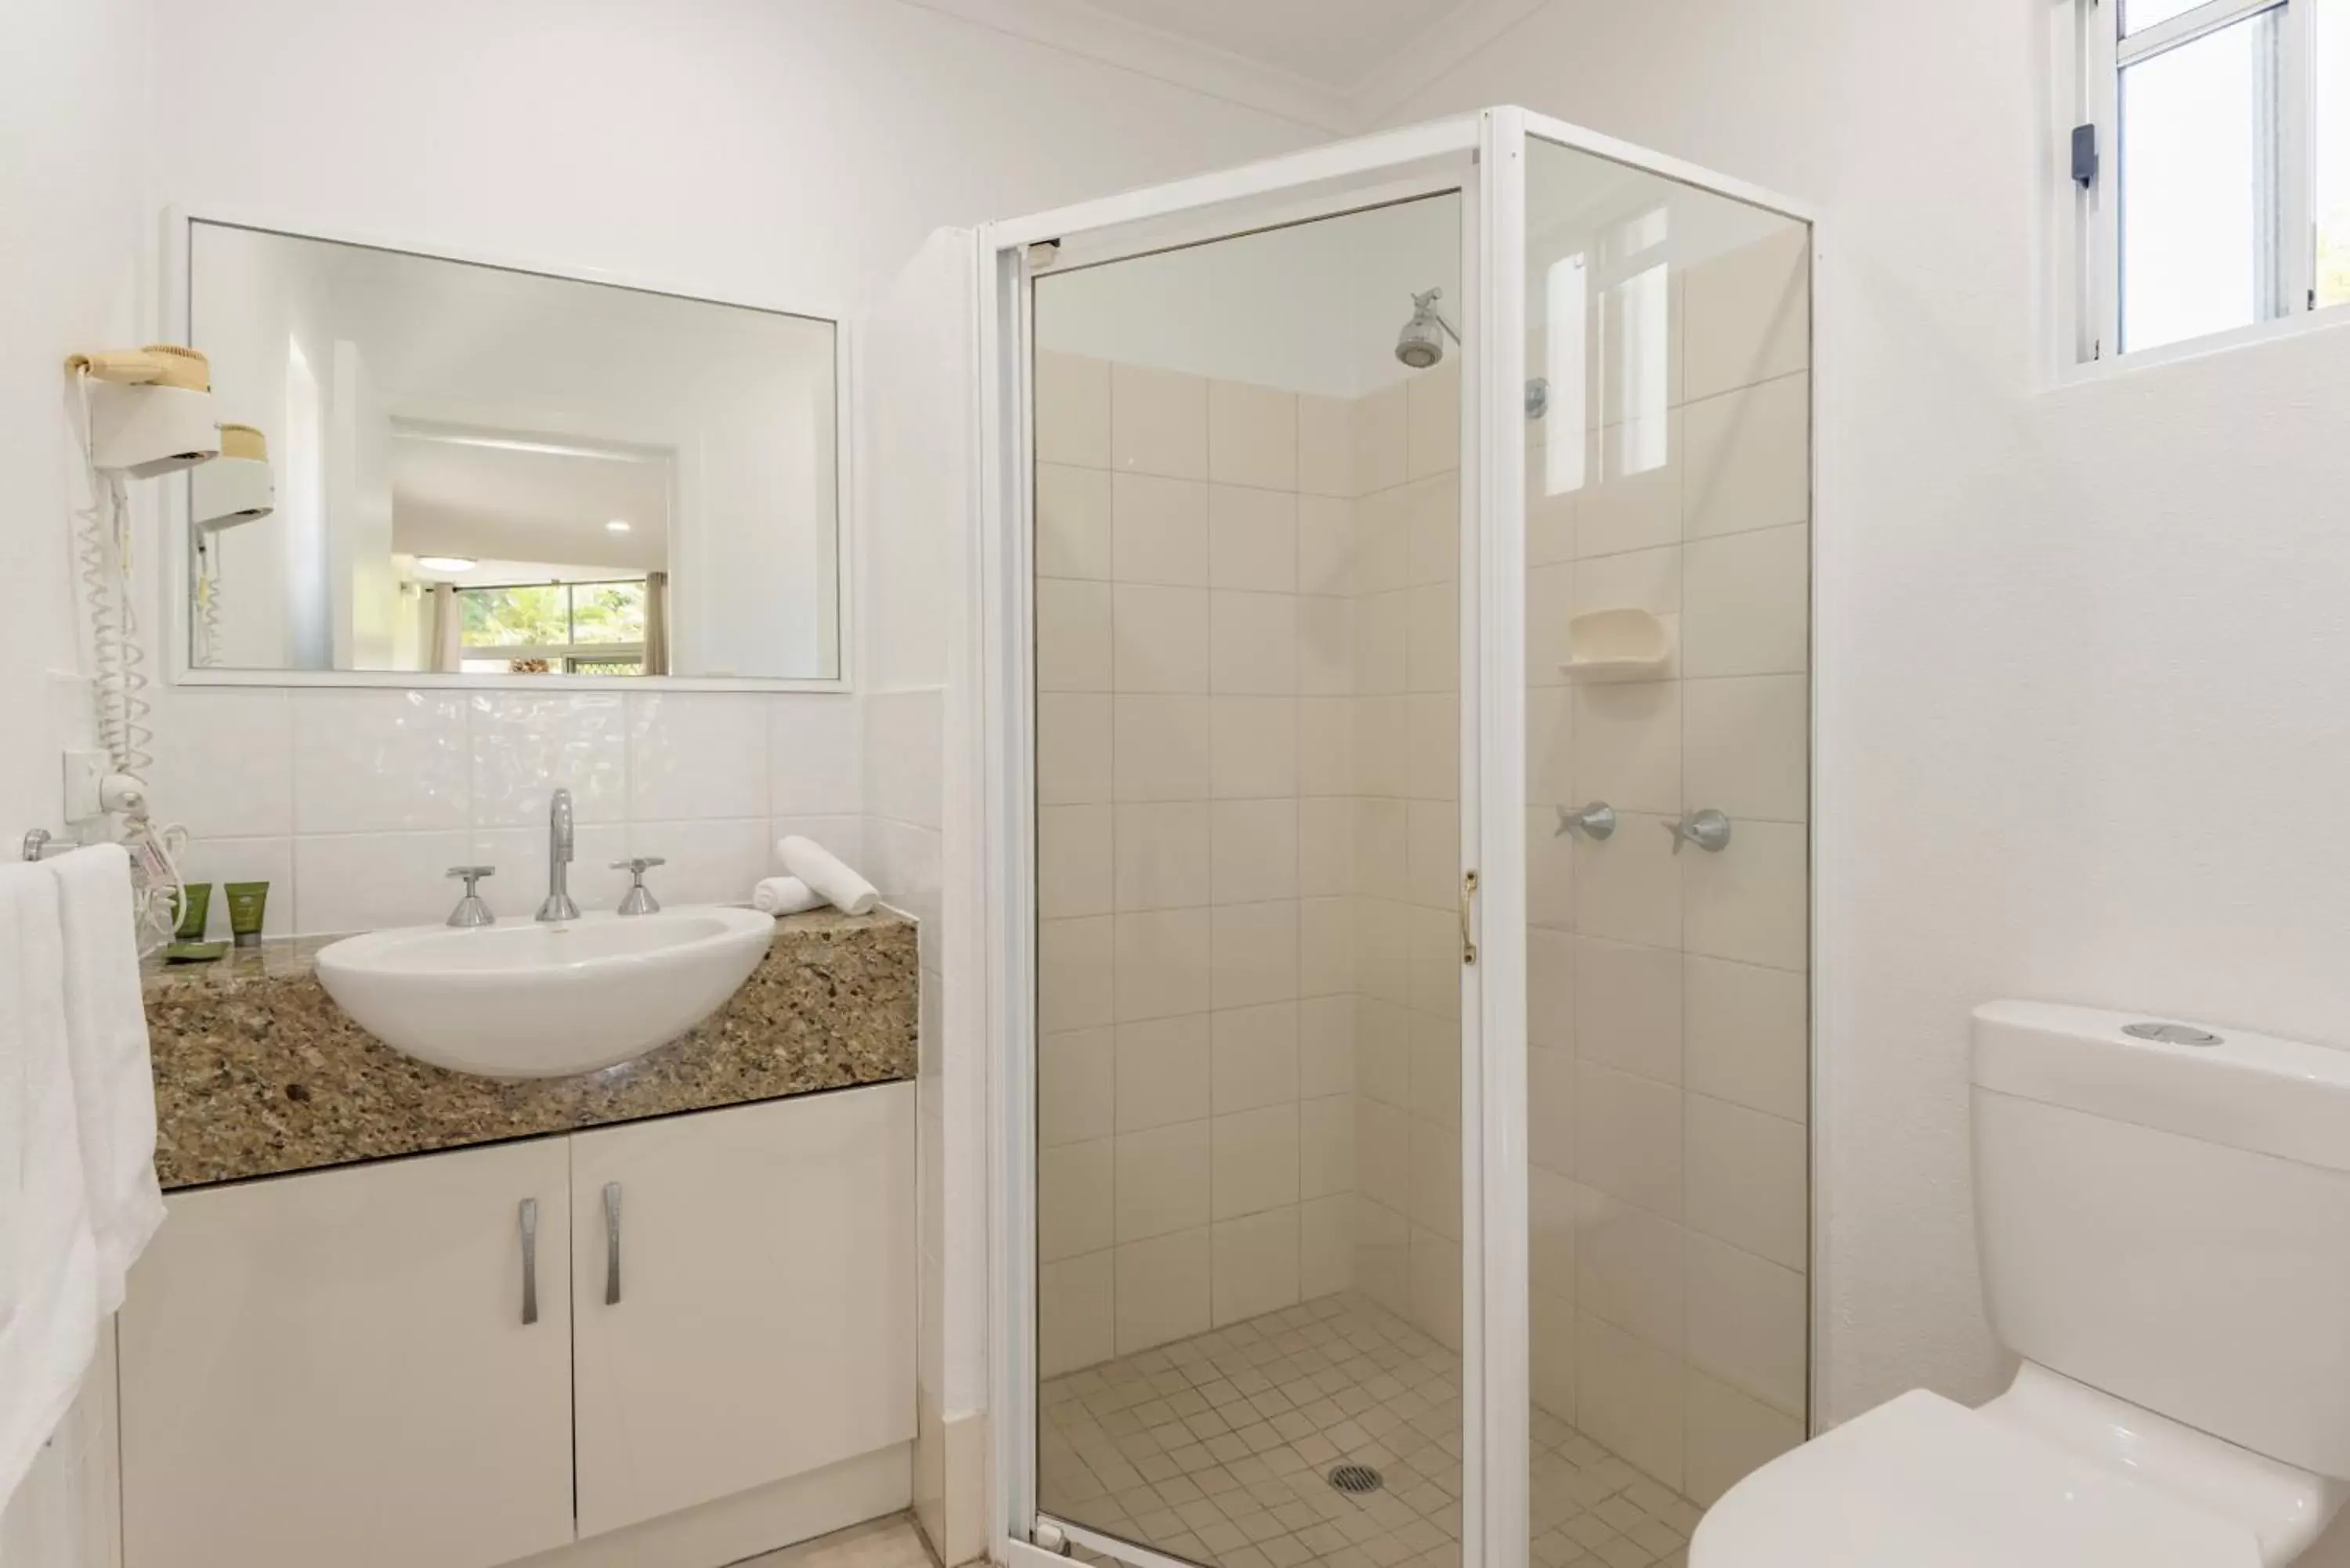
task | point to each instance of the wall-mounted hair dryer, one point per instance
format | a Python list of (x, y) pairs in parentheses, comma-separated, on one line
[(236, 486), (151, 410)]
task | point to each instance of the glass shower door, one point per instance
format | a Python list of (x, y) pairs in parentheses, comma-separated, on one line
[(1666, 701)]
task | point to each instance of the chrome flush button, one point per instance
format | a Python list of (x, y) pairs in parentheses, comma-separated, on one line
[(2172, 1033)]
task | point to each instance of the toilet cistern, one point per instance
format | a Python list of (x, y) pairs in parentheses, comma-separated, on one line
[(558, 905)]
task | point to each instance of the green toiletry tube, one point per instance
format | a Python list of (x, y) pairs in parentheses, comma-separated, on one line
[(246, 903), (195, 908)]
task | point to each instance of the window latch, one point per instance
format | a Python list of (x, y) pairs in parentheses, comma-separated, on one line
[(2085, 155)]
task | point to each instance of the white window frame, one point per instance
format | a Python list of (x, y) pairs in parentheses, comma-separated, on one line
[(2099, 54)]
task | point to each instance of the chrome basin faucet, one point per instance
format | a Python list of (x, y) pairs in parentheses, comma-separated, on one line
[(558, 905)]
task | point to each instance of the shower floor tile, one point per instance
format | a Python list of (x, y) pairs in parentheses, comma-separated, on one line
[(1217, 1449)]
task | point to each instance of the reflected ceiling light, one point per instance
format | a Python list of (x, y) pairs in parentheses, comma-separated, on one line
[(616, 525), (446, 562)]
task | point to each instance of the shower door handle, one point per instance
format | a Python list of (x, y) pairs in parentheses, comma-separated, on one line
[(1468, 938)]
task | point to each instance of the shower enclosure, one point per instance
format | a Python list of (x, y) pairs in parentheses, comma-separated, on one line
[(1396, 579)]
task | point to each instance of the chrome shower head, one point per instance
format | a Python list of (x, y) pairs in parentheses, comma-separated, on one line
[(1421, 342)]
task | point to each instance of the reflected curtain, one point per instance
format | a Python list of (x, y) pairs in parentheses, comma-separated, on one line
[(656, 623), (447, 639)]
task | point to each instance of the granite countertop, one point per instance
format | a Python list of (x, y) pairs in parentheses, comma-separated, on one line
[(258, 1072)]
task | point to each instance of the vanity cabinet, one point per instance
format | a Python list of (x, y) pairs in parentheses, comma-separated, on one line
[(335, 1368), (744, 1298)]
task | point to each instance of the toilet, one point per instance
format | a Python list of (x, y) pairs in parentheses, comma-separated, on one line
[(2163, 1217)]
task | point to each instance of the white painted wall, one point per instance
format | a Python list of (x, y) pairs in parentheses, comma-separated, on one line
[(2081, 653)]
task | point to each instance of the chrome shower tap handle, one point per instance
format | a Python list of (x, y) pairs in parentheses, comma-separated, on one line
[(1596, 821), (1708, 830)]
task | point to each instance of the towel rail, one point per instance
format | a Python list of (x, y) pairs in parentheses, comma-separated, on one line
[(40, 843)]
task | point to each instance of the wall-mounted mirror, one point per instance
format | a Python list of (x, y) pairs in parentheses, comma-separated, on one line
[(485, 472)]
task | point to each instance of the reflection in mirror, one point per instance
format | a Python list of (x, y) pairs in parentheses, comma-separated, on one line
[(485, 472)]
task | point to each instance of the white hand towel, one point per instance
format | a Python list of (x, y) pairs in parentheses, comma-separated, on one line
[(825, 873), (784, 896), (113, 1078), (48, 1261)]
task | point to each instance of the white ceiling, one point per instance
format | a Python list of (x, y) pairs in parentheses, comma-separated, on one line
[(454, 497), (1336, 43), (1336, 64)]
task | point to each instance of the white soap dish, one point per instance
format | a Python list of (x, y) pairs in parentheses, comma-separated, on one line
[(1616, 643)]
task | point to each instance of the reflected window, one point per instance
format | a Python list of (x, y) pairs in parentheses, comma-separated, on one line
[(1566, 296), (570, 628)]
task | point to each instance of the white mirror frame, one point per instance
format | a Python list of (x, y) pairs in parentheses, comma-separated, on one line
[(172, 578)]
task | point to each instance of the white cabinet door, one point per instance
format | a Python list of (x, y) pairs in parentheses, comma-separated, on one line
[(334, 1369), (766, 1284)]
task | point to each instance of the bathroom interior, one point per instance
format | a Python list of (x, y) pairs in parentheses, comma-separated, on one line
[(1478, 784)]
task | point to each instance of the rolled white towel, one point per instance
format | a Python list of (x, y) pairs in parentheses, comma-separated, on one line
[(827, 876), (784, 896)]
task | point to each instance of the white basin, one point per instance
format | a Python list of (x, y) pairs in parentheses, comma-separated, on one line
[(523, 1000)]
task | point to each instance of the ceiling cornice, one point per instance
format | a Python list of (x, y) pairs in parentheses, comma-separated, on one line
[(1443, 45)]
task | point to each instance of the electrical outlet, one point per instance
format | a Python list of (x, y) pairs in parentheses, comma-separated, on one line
[(85, 785)]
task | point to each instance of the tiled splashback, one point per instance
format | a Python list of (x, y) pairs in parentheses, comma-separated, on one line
[(353, 804)]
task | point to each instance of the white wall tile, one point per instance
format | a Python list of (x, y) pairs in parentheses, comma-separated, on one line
[(1432, 852), (1254, 850), (1551, 1326), (1160, 638), (1326, 1046), (358, 882), (1432, 529), (1075, 1310), (1073, 973), (1162, 1181), (1749, 460), (1382, 847), (1072, 636), (709, 861), (815, 757), (1326, 745), (1550, 988), (1747, 746), (1550, 746), (1436, 1286), (1747, 1323), (1383, 1153), (376, 761), (1751, 900), (1326, 1246), (1325, 947), (1636, 580), (1432, 419), (1251, 435), (1378, 457), (1326, 645), (1254, 1265), (1627, 737), (1073, 395), (1383, 641), (1326, 545), (1160, 748), (1554, 1211), (1550, 1110), (1433, 633), (1254, 643), (1627, 1397), (1326, 445), (1631, 499), (1255, 954), (1164, 1070), (1163, 1289), (1160, 531), (1072, 1200), (1729, 1437), (1629, 887), (1074, 860), (1748, 1036), (1382, 525), (1550, 870), (1255, 1051), (1325, 1145), (1073, 748), (1628, 1007), (521, 883), (1628, 1138), (1073, 521), (1076, 1080), (1436, 1178), (1630, 1270), (223, 762), (1159, 422), (1747, 315), (1252, 539), (1162, 855), (1163, 967), (1746, 603), (1253, 746), (1254, 1160), (1326, 845), (1550, 608), (1747, 1180)]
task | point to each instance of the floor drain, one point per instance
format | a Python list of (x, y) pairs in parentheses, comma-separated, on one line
[(1356, 1479)]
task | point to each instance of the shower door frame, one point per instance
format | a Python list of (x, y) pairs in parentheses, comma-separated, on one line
[(1325, 181)]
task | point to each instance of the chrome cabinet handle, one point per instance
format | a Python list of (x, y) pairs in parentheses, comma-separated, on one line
[(1596, 821), (611, 1243), (529, 1261), (1708, 830)]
